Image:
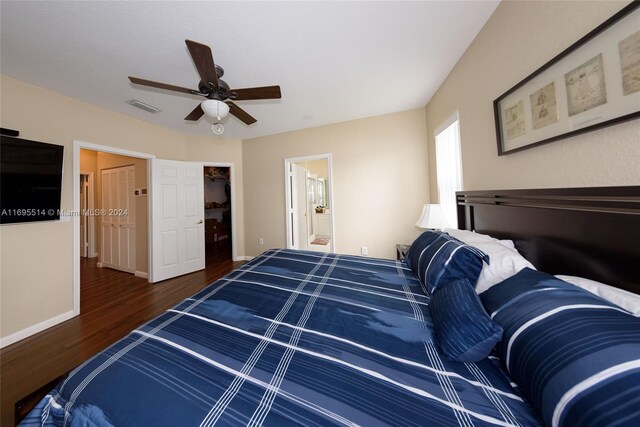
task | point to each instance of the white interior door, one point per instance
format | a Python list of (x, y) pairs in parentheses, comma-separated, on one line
[(299, 207), (312, 202), (177, 218), (118, 219)]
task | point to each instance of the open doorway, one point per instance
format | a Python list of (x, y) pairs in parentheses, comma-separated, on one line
[(172, 241), (113, 220), (218, 213), (309, 198)]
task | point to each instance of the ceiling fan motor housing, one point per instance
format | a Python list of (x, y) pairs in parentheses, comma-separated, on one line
[(221, 93)]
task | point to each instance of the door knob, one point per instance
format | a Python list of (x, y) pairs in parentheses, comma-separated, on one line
[(200, 222)]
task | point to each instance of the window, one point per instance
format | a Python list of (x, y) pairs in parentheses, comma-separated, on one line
[(449, 166)]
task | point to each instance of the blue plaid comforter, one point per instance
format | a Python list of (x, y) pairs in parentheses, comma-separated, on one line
[(290, 338)]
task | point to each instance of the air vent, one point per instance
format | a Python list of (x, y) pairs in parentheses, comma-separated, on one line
[(143, 105)]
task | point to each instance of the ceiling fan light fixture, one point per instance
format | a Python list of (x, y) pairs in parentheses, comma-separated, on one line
[(214, 108)]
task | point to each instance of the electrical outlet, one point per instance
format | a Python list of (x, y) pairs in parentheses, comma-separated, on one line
[(364, 250), (261, 241)]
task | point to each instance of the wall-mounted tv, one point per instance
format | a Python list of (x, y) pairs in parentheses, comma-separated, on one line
[(30, 180)]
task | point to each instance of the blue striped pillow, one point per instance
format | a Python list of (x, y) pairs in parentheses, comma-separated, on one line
[(464, 331), (437, 259), (574, 355)]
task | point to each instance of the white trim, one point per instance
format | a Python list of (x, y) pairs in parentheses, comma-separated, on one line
[(243, 258), (141, 274), (75, 188), (448, 149), (91, 250), (232, 176), (455, 116), (150, 220), (111, 150), (287, 192), (34, 329)]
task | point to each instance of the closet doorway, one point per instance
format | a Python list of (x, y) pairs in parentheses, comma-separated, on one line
[(219, 206)]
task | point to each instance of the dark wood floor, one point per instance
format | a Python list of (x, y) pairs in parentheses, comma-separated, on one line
[(112, 303)]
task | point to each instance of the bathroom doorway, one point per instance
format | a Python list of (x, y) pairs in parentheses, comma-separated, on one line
[(310, 208)]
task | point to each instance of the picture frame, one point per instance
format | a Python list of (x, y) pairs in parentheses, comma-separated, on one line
[(592, 84)]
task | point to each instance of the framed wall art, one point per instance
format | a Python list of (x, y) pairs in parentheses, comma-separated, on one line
[(592, 84)]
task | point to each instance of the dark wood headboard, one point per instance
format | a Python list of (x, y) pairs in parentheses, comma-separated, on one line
[(587, 232)]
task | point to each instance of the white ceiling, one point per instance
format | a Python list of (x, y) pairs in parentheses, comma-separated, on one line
[(334, 61)]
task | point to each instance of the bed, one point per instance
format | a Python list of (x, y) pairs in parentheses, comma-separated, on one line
[(302, 338)]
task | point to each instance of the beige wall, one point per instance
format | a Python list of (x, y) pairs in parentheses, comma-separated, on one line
[(317, 167), (379, 180), (218, 150), (517, 39), (36, 273), (89, 161)]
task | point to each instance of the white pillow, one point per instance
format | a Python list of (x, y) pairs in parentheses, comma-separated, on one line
[(470, 237), (627, 300), (504, 261), (509, 244)]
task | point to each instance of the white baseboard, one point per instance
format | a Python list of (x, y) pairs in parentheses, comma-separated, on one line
[(141, 274), (99, 265), (243, 258), (34, 329)]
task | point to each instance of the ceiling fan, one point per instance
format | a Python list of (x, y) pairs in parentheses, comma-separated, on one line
[(218, 103)]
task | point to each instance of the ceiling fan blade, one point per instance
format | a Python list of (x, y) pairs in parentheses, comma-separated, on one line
[(203, 58), (240, 113), (265, 92), (158, 85), (195, 114)]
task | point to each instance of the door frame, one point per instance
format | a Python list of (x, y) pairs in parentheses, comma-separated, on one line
[(91, 234), (287, 193), (75, 172), (232, 177)]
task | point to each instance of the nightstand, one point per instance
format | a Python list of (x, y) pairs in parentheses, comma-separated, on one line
[(401, 251)]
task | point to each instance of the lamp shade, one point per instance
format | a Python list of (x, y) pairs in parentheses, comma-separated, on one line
[(214, 108), (432, 216)]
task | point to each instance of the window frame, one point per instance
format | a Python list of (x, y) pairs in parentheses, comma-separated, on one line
[(449, 209)]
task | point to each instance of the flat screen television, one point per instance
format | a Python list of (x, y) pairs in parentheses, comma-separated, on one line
[(30, 180)]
